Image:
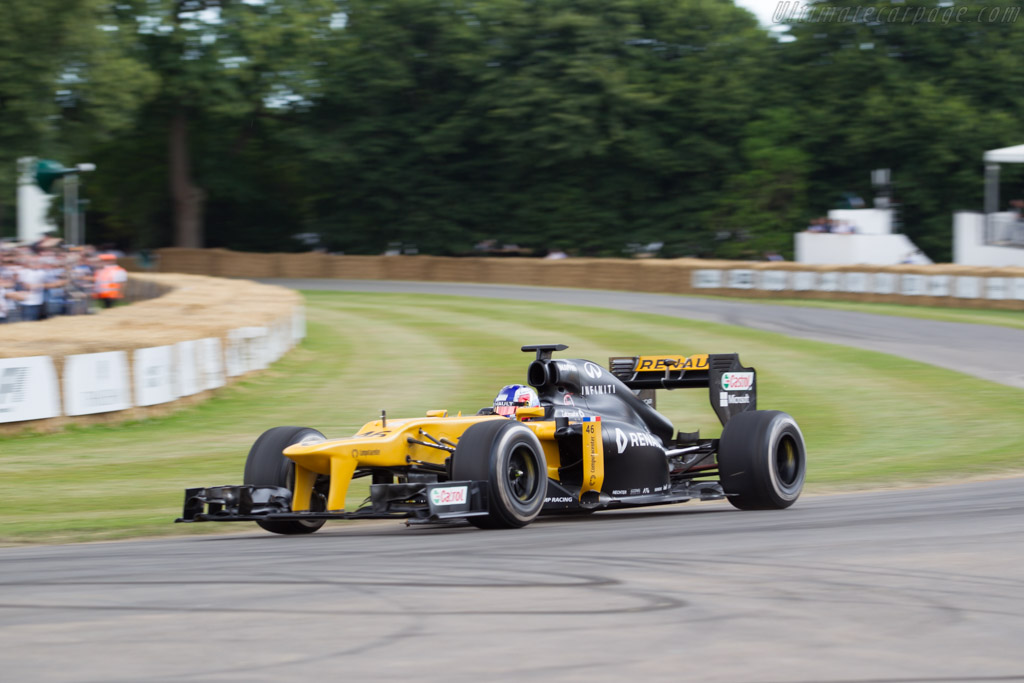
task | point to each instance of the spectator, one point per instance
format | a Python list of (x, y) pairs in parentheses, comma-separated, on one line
[(32, 282), (80, 283), (109, 281)]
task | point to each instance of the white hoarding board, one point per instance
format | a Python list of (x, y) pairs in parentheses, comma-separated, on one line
[(212, 363), (774, 280), (299, 324), (938, 285), (804, 280), (968, 287), (707, 279), (96, 383), (187, 368), (154, 375), (256, 347), (28, 389), (741, 279), (995, 288), (885, 283), (828, 282), (912, 285), (1018, 288), (247, 350), (856, 283), (234, 355)]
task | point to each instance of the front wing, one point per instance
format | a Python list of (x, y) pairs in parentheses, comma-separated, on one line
[(417, 502)]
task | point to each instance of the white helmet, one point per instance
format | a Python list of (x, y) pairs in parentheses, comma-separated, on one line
[(514, 396)]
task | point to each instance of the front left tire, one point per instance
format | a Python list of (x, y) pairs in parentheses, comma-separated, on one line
[(267, 466), (509, 457)]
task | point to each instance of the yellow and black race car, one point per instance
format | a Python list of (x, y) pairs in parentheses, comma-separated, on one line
[(595, 441)]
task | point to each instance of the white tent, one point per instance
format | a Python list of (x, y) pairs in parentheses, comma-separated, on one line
[(992, 158), (1005, 155)]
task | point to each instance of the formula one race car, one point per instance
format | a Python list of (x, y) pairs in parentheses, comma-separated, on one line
[(594, 442)]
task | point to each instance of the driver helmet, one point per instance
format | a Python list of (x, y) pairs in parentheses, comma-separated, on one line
[(514, 396)]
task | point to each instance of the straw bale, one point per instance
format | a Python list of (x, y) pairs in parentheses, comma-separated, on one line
[(652, 275), (195, 306)]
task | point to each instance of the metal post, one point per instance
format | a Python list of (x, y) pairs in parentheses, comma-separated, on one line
[(991, 199), (71, 208), (991, 188)]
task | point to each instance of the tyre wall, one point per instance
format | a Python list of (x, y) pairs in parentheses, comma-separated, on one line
[(182, 338), (932, 285)]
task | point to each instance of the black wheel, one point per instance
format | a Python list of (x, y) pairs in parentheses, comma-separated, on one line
[(762, 460), (509, 457), (267, 466)]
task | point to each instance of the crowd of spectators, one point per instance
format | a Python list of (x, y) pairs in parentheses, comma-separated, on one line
[(47, 279)]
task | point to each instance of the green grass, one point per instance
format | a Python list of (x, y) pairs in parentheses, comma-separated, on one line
[(870, 420)]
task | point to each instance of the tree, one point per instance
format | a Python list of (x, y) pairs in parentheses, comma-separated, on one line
[(66, 79)]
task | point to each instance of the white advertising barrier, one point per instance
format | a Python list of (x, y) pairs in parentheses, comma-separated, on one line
[(186, 357), (280, 338), (28, 389), (1018, 288), (857, 283), (298, 324), (96, 383), (212, 363), (968, 287), (154, 375), (247, 349), (995, 288), (234, 355)]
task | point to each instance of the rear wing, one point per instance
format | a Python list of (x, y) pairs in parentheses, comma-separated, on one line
[(732, 386)]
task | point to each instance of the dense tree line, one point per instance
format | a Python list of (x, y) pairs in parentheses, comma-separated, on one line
[(572, 124)]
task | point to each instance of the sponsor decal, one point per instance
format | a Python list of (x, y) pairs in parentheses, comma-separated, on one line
[(742, 398), (12, 387), (619, 492), (591, 389), (449, 495), (634, 492), (567, 400), (593, 457), (631, 439), (559, 499), (737, 381), (569, 412), (362, 453), (592, 370), (723, 400), (662, 363)]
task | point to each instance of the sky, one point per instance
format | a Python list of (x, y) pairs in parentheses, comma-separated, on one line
[(762, 8)]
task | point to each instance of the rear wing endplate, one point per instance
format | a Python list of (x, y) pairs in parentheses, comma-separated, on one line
[(732, 387)]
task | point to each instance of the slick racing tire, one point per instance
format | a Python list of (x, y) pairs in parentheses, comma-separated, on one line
[(762, 460), (267, 466), (509, 457)]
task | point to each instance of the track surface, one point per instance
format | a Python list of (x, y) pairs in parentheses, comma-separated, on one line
[(985, 351), (914, 585)]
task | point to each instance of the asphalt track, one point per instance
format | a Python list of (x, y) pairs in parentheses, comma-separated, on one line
[(891, 586)]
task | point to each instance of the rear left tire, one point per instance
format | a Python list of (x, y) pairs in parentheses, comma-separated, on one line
[(762, 460)]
